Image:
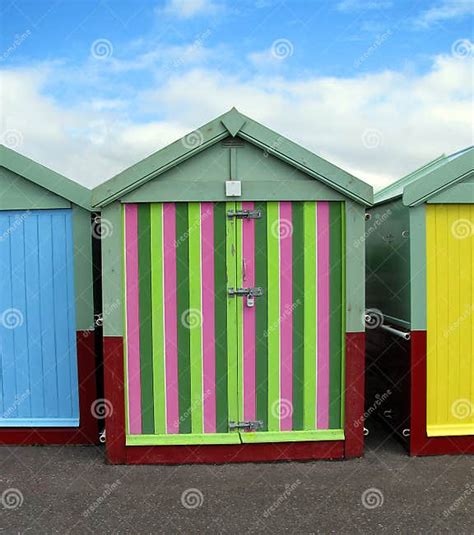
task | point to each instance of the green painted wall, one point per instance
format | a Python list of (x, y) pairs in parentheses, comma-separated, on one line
[(263, 176), (17, 193), (387, 236)]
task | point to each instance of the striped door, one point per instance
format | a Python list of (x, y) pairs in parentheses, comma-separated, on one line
[(38, 360), (197, 359)]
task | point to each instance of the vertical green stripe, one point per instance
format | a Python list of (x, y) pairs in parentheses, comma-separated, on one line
[(336, 308), (261, 316), (343, 314), (220, 303), (146, 359), (182, 282), (194, 320), (157, 303), (298, 314), (240, 312), (310, 302), (232, 338), (273, 329)]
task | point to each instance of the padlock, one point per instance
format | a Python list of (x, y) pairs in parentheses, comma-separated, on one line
[(250, 300)]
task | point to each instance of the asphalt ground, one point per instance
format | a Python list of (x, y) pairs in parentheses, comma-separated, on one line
[(72, 490)]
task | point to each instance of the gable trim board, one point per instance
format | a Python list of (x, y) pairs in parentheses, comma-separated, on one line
[(215, 131)]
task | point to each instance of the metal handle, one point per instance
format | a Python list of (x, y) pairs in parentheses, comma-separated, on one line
[(396, 332)]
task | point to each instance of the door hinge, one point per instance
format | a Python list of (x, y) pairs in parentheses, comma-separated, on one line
[(245, 426), (244, 214)]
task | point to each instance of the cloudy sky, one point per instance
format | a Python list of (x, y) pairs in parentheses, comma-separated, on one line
[(379, 87)]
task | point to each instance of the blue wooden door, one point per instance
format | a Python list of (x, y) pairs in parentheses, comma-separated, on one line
[(38, 360)]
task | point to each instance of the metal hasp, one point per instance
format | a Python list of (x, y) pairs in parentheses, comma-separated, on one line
[(242, 292), (246, 425), (244, 214)]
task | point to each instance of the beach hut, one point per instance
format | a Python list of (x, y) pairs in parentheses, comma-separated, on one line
[(420, 295), (47, 356), (233, 297)]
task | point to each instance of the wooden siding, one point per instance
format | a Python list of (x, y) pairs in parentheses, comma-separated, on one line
[(450, 319), (38, 366)]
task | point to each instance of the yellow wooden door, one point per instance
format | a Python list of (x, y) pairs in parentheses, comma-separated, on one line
[(450, 319)]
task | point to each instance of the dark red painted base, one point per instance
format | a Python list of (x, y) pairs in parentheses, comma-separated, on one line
[(119, 453), (420, 443), (88, 430)]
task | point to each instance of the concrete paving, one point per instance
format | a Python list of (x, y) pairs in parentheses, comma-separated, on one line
[(72, 490)]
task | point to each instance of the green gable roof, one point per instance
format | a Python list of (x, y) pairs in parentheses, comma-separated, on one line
[(44, 177), (232, 123), (430, 179)]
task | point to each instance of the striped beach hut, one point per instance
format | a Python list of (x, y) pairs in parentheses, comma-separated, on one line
[(420, 273), (47, 346), (233, 295)]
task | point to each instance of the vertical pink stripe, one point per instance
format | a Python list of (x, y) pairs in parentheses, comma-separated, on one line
[(171, 326), (133, 319), (208, 322), (323, 315), (286, 315), (248, 276)]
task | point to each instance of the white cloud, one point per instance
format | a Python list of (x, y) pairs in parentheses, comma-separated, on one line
[(190, 8), (417, 116), (445, 10)]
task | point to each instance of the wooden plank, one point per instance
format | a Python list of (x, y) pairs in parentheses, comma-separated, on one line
[(182, 284), (298, 315), (310, 317), (220, 305), (193, 318), (273, 327), (158, 318), (293, 436), (183, 440), (146, 355)]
